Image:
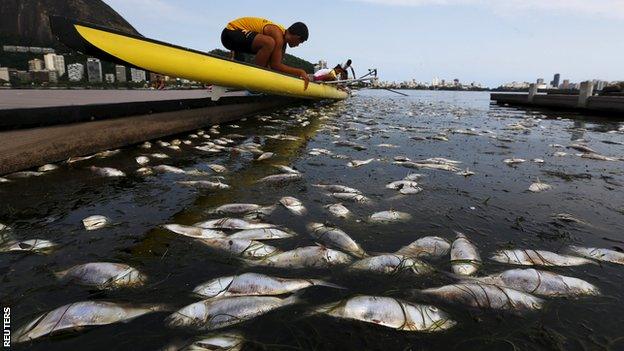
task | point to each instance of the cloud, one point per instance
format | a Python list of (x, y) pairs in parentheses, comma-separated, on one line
[(593, 8)]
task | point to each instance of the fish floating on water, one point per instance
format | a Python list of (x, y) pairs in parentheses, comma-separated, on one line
[(389, 312), (338, 210), (465, 259), (603, 255), (96, 222), (194, 232), (254, 284), (261, 234), (426, 247), (281, 178), (243, 248), (307, 257), (335, 237), (231, 341), (389, 216), (213, 314), (103, 275), (359, 163), (76, 316), (232, 223), (293, 205), (486, 296), (32, 245), (538, 258), (541, 283), (338, 188), (204, 184), (47, 168), (391, 264), (538, 187), (107, 172)]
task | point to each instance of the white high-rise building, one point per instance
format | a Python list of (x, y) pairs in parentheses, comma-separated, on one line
[(137, 75), (54, 62), (35, 65), (120, 73), (75, 72), (94, 70)]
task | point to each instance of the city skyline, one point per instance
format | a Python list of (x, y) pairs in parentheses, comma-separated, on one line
[(472, 40)]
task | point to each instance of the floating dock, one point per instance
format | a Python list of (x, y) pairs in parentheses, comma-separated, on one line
[(45, 126)]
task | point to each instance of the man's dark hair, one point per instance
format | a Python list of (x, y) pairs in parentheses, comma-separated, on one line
[(299, 29)]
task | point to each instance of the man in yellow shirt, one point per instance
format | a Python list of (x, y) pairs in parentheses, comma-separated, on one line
[(266, 40)]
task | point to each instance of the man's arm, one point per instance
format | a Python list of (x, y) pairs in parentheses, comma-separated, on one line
[(276, 57)]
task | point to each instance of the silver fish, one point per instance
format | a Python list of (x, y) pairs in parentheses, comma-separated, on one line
[(107, 172), (513, 161), (253, 284), (103, 275), (335, 237), (236, 208), (142, 160), (219, 313), (465, 259), (542, 283), (231, 341), (389, 312), (265, 156), (47, 168), (168, 169), (426, 247), (280, 178), (293, 205), (307, 257), (96, 222), (78, 315), (32, 245), (604, 255), (389, 216), (359, 163), (217, 168), (286, 169), (232, 223), (538, 258), (486, 296), (338, 210), (144, 171), (146, 145), (594, 156), (261, 234), (351, 197), (405, 187), (194, 232), (433, 166), (539, 187), (338, 188), (205, 184), (159, 155), (391, 264), (241, 247), (583, 148)]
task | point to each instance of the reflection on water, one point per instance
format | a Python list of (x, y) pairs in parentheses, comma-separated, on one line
[(493, 207)]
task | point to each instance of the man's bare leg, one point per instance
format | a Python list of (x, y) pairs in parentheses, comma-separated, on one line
[(263, 45)]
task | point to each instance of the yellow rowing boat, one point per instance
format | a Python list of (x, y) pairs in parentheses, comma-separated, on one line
[(175, 61)]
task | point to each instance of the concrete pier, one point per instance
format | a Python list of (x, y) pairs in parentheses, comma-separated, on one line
[(584, 102), (22, 149)]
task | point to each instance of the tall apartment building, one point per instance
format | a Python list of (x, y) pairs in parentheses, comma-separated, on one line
[(75, 72), (94, 70)]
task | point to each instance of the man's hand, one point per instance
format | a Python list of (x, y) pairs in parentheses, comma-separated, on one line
[(306, 80)]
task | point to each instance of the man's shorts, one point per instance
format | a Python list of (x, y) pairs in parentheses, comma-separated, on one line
[(238, 41)]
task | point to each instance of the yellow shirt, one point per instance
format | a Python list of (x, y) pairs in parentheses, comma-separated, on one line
[(252, 24)]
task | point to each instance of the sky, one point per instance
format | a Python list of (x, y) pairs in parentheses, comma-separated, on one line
[(487, 41)]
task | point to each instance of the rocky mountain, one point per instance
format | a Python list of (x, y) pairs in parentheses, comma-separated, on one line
[(25, 22)]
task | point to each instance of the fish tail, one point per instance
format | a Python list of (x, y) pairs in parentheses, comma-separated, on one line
[(319, 282)]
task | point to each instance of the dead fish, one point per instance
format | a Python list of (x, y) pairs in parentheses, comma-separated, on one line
[(146, 145), (413, 177), (539, 187), (253, 284), (78, 159), (168, 169), (603, 255), (159, 155), (194, 232), (307, 257), (261, 234), (103, 275), (241, 247), (265, 156), (466, 173), (594, 156), (293, 205), (405, 187), (142, 160), (32, 245), (96, 222), (231, 223), (391, 264), (4, 180), (338, 210), (219, 313), (537, 258), (358, 163), (286, 169), (75, 316), (560, 154), (583, 148), (440, 137), (389, 216), (513, 161), (426, 247), (351, 197), (204, 184), (231, 341), (280, 178), (389, 312), (144, 171), (433, 166), (236, 208), (390, 146), (333, 236), (337, 188), (566, 217), (217, 168), (465, 259), (541, 283), (107, 172), (107, 153), (47, 168), (537, 160), (486, 296)]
